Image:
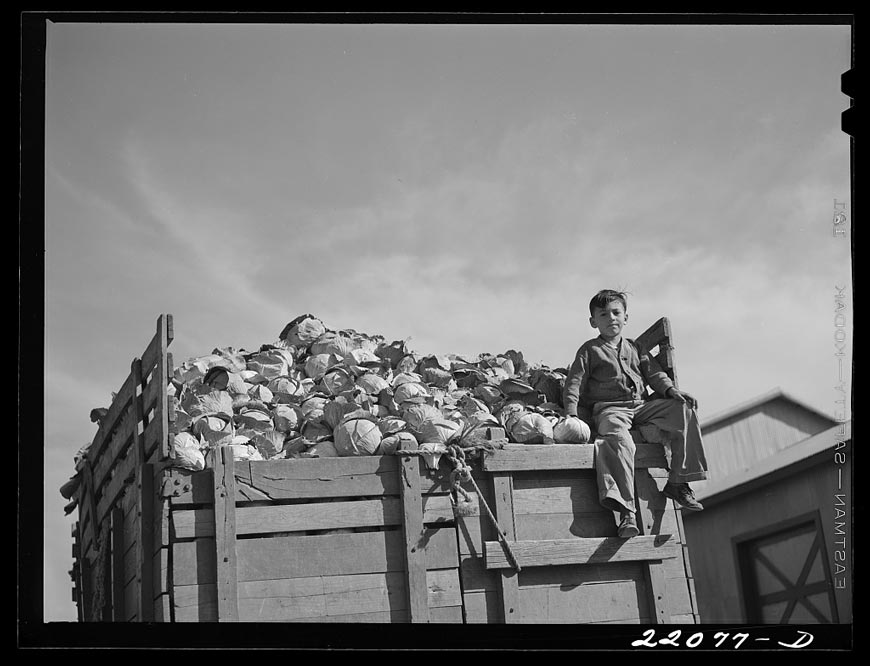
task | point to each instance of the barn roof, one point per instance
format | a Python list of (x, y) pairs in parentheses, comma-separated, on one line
[(749, 405), (788, 461)]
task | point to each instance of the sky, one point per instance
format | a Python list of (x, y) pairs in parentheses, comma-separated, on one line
[(467, 188)]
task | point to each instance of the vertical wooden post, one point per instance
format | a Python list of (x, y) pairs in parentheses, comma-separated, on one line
[(144, 505), (645, 488), (119, 611), (503, 486), (161, 376), (225, 533), (412, 527)]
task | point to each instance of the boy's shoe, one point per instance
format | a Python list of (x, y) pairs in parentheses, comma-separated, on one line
[(682, 495), (627, 526)]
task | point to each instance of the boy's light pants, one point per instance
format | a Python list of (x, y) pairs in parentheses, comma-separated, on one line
[(615, 448)]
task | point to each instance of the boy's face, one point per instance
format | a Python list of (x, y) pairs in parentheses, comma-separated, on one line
[(609, 320)]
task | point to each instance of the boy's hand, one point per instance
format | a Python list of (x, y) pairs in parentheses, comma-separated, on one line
[(682, 396)]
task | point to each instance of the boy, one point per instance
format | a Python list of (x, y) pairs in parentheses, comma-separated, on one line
[(605, 387)]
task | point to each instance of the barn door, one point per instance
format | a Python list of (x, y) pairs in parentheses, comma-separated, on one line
[(786, 576)]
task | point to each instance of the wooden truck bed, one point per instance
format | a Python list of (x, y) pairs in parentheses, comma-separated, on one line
[(363, 539)]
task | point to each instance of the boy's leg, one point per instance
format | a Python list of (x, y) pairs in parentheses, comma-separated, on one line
[(680, 422), (614, 458)]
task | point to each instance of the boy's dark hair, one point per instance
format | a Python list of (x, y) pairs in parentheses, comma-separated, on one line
[(605, 296)]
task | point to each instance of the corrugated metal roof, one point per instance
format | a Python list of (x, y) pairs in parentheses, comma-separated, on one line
[(740, 438)]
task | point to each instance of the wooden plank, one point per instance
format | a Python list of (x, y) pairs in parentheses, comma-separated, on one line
[(109, 423), (116, 449), (564, 602), (195, 603), (412, 529), (152, 438), (225, 534), (145, 508), (482, 607), (124, 474), (306, 478), (654, 335), (152, 392), (131, 599), (446, 615), (537, 526), (160, 572), (526, 457), (657, 593), (117, 564), (651, 510), (162, 608), (555, 496), (160, 377), (183, 487), (298, 599), (678, 594), (300, 556), (556, 552), (504, 513), (324, 596), (190, 523), (300, 479)]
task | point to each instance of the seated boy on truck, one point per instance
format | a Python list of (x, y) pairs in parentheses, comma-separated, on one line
[(606, 387)]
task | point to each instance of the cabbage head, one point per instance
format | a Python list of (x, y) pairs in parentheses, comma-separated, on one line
[(302, 331), (186, 452), (571, 431), (532, 428), (357, 436)]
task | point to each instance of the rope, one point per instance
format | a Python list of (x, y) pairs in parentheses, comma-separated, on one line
[(462, 473)]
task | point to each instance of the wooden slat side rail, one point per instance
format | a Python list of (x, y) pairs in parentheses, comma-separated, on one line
[(116, 449), (412, 529), (124, 474), (122, 423), (156, 349), (338, 598), (125, 394), (109, 423), (531, 457), (318, 477), (504, 512), (193, 562), (225, 534), (654, 335), (144, 506), (590, 550), (190, 523)]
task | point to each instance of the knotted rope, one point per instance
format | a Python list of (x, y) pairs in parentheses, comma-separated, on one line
[(461, 473)]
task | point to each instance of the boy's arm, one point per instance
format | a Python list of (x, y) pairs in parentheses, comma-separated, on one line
[(575, 382)]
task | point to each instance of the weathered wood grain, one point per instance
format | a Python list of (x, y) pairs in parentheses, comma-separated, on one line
[(294, 600), (525, 457), (225, 534), (189, 523), (581, 551), (301, 556), (504, 512), (322, 477), (412, 530)]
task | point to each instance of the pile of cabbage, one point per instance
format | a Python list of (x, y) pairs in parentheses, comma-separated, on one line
[(317, 392)]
